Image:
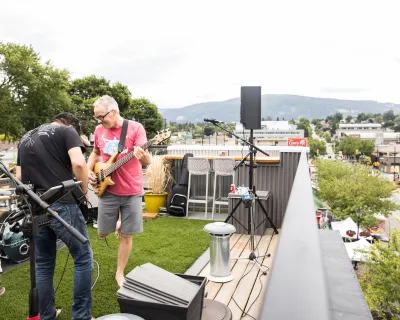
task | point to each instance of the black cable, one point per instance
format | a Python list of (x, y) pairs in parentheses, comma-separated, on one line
[(244, 312), (259, 278)]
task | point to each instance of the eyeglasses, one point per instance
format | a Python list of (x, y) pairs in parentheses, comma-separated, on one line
[(101, 118)]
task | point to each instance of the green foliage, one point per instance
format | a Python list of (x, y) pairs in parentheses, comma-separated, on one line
[(346, 188), (350, 145), (364, 117), (388, 115), (163, 243), (316, 121), (327, 136), (84, 93), (334, 120), (348, 119), (317, 147), (143, 111), (304, 124), (365, 160), (31, 92), (381, 280), (86, 90)]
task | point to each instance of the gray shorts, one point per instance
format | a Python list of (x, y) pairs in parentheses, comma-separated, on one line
[(130, 208)]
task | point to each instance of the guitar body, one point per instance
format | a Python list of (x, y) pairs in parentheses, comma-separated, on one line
[(99, 168), (103, 171)]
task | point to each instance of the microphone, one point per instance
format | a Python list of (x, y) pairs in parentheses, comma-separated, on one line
[(213, 121)]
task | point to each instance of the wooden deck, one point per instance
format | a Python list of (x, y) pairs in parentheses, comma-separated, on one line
[(246, 291)]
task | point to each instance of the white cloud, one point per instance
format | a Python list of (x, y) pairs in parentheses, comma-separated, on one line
[(181, 52)]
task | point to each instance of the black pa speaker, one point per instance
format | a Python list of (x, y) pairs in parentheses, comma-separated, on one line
[(250, 107)]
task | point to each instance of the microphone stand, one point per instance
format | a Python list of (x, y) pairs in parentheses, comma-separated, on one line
[(253, 197), (31, 228)]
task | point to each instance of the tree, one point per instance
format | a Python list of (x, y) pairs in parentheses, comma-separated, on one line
[(31, 92), (86, 90), (316, 121), (304, 124), (350, 145), (366, 147), (363, 117), (84, 93), (143, 111), (327, 136), (317, 147), (347, 188), (337, 117), (378, 118), (388, 115), (349, 118), (381, 280)]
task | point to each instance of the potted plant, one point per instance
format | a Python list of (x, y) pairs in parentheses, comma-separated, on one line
[(158, 175)]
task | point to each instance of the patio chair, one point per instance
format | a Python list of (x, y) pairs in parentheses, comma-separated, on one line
[(222, 167), (198, 166)]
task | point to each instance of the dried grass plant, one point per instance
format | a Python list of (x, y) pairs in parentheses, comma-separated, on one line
[(158, 174)]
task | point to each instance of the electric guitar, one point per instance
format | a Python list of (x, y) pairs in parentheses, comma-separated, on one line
[(103, 170)]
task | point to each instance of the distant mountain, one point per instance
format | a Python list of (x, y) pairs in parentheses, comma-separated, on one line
[(277, 105)]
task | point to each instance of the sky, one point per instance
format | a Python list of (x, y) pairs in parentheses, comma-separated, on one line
[(178, 53)]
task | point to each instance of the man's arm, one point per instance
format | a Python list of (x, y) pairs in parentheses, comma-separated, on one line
[(18, 173), (79, 167), (92, 160)]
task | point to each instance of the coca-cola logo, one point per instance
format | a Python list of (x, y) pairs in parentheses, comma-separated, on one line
[(297, 142)]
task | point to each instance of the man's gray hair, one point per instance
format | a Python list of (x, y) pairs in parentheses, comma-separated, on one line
[(108, 102)]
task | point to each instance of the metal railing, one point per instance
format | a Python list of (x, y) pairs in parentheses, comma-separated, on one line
[(297, 287)]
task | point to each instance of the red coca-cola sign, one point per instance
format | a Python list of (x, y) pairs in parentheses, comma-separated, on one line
[(297, 142)]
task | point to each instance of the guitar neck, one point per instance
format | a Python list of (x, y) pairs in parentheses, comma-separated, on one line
[(125, 159)]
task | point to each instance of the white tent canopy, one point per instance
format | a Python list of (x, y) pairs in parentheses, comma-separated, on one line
[(345, 225), (353, 247)]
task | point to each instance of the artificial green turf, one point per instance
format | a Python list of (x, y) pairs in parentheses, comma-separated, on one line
[(173, 244)]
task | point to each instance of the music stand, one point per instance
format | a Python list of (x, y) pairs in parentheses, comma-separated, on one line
[(31, 226), (249, 203)]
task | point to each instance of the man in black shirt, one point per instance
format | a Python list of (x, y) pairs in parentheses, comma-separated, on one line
[(47, 156)]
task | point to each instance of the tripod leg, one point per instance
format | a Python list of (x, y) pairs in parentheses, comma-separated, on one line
[(262, 269), (267, 216), (233, 211)]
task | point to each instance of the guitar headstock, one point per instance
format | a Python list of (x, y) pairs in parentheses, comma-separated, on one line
[(162, 136)]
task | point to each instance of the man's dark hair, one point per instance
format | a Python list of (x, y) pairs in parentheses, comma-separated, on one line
[(68, 119)]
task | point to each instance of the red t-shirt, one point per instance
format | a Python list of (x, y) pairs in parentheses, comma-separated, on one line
[(128, 178)]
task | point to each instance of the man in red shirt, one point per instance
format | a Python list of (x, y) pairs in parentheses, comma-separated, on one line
[(125, 197)]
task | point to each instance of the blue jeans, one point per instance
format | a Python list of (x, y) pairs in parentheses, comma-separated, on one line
[(46, 260)]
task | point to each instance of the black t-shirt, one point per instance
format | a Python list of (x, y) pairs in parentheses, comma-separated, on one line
[(57, 140)]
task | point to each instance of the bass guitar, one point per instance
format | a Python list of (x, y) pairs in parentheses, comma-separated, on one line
[(103, 170)]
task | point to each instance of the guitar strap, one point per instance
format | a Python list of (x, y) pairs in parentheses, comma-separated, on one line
[(123, 136)]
